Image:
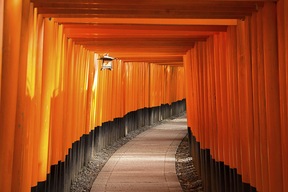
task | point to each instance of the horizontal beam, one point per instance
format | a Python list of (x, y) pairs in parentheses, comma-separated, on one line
[(94, 33), (145, 21), (147, 9), (138, 27), (194, 6), (151, 2), (168, 60), (106, 49), (56, 13)]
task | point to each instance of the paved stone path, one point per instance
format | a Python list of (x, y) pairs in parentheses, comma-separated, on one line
[(146, 163)]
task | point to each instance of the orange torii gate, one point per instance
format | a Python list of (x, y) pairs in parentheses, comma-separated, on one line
[(54, 97)]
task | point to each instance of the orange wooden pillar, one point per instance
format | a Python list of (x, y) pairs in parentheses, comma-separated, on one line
[(233, 102), (282, 29), (218, 101), (245, 99), (94, 70), (189, 90), (9, 85), (256, 84), (98, 88), (121, 88), (213, 128), (231, 91), (113, 106), (236, 95), (68, 97), (125, 86), (151, 85), (36, 87), (74, 92), (261, 105), (89, 105), (77, 92), (189, 93), (271, 75), (23, 147), (46, 93), (201, 85), (1, 37), (57, 130), (194, 87), (224, 104)]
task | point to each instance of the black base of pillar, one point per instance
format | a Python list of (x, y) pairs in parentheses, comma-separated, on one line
[(216, 176)]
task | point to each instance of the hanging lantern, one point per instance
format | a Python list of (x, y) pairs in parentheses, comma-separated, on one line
[(107, 62)]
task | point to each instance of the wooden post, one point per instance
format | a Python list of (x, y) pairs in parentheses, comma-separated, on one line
[(245, 98), (23, 146), (282, 29), (1, 39), (46, 93), (9, 85), (256, 95), (271, 75)]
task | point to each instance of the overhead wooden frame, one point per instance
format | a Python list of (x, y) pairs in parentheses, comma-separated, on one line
[(156, 31)]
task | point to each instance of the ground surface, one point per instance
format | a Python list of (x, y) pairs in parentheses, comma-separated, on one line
[(186, 173)]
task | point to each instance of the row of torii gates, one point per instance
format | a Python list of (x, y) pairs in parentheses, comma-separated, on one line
[(225, 62)]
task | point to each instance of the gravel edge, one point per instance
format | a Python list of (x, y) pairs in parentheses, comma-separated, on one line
[(185, 169)]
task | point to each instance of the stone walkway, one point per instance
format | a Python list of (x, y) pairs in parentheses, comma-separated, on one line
[(146, 163), (85, 178)]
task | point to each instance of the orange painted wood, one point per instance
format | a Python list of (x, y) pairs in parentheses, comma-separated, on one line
[(219, 114), (282, 31), (231, 92), (262, 99), (251, 148), (244, 86), (271, 75), (46, 93), (9, 85), (149, 9), (90, 81), (150, 21), (236, 79), (68, 98), (1, 38), (34, 88), (200, 86), (121, 5), (224, 103), (157, 2), (235, 96), (22, 161), (189, 89), (245, 114), (255, 80), (205, 116), (195, 125), (213, 131)]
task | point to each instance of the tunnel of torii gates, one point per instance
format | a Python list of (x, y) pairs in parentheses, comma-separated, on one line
[(223, 62)]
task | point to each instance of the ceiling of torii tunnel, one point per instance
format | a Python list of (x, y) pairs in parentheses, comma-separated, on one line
[(156, 31)]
